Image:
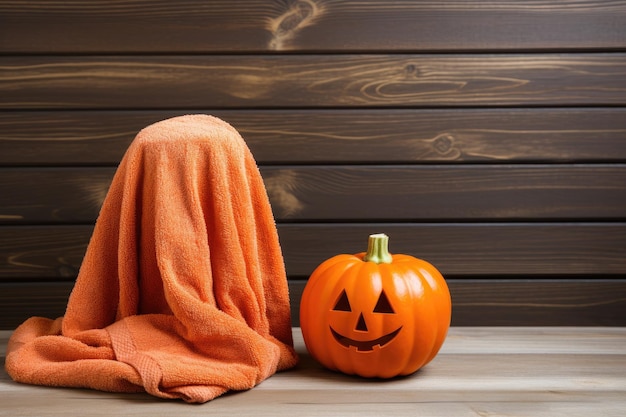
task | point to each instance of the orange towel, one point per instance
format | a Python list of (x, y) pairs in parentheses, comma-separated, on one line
[(182, 291)]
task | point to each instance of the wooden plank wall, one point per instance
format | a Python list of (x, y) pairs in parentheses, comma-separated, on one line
[(488, 137)]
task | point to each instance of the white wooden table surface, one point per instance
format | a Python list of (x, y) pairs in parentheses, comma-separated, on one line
[(480, 371)]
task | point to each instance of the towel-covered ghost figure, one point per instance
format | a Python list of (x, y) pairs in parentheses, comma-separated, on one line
[(182, 292)]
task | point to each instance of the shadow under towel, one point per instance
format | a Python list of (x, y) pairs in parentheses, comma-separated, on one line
[(182, 291)]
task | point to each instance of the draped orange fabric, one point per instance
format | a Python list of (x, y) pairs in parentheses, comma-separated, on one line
[(182, 291)]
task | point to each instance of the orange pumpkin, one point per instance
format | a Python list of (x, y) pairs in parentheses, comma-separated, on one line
[(375, 314)]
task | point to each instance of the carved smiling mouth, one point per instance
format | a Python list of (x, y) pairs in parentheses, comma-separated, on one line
[(365, 346)]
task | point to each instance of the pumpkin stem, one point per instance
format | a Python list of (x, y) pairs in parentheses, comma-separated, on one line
[(378, 249)]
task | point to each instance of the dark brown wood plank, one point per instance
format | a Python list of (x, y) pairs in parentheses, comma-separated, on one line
[(532, 302), (475, 302), (19, 301), (349, 193), (336, 136), (90, 26), (469, 249), (42, 252), (234, 81), (64, 194), (475, 249), (418, 193)]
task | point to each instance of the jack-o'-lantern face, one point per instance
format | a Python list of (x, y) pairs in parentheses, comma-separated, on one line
[(374, 314), (368, 339)]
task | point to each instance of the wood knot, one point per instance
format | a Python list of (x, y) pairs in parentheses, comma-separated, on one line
[(282, 191), (411, 70), (67, 271), (443, 144), (300, 14)]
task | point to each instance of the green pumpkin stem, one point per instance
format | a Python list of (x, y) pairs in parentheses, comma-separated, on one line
[(378, 249)]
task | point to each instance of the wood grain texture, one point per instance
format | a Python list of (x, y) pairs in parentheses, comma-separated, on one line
[(437, 193), (43, 253), (229, 81), (475, 302), (572, 135), (487, 137), (363, 193), (528, 249), (539, 302), (19, 301), (194, 26)]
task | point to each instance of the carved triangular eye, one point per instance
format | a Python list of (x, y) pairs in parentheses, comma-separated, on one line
[(342, 303), (383, 305)]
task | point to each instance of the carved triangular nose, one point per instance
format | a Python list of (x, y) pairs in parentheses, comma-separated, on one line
[(360, 325)]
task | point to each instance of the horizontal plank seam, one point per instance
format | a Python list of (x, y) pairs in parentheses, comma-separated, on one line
[(495, 106), (619, 222), (538, 50), (373, 165), (456, 222)]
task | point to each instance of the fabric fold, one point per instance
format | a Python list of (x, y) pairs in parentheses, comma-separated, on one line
[(182, 291)]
